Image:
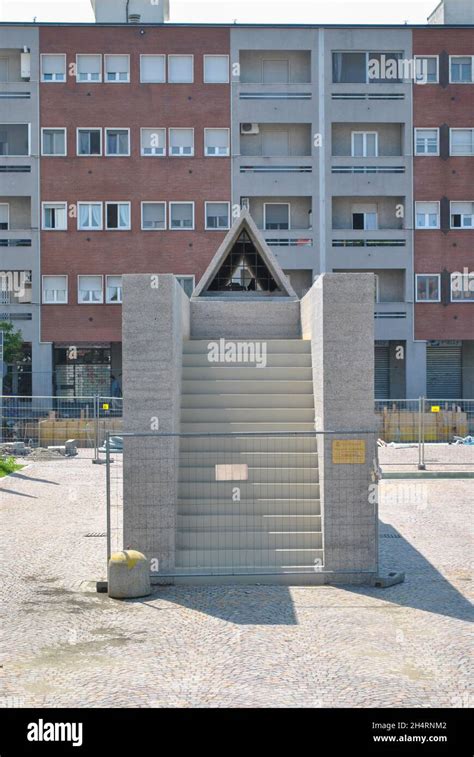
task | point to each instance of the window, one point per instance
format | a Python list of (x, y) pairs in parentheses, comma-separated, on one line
[(462, 215), (427, 215), (187, 282), (182, 215), (89, 216), (364, 217), (460, 69), (117, 68), (426, 69), (89, 68), (276, 215), (426, 141), (55, 290), (152, 69), (55, 216), (117, 141), (113, 290), (153, 216), (428, 287), (153, 142), (53, 142), (216, 142), (89, 142), (217, 215), (364, 144), (180, 69), (4, 216), (216, 69), (117, 216), (53, 68), (365, 67), (182, 142), (90, 290), (462, 286), (461, 141)]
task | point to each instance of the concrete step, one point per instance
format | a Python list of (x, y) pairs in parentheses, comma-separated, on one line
[(196, 346), (255, 475), (246, 400), (242, 414), (272, 360), (248, 490), (233, 443), (253, 522), (234, 372), (258, 507), (226, 456), (243, 538), (247, 558), (228, 386), (227, 427)]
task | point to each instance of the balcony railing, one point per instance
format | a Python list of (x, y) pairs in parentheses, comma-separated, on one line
[(275, 91), (379, 238), (390, 311)]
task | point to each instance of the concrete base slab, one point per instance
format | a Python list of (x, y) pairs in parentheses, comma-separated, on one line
[(392, 578), (275, 579)]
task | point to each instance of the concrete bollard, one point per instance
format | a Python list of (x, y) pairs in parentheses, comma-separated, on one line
[(128, 575)]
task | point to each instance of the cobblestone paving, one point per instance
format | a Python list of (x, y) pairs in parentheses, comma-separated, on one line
[(64, 645)]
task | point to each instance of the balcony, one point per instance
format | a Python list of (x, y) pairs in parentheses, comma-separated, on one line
[(393, 320), (290, 175), (378, 175), (293, 249), (383, 248)]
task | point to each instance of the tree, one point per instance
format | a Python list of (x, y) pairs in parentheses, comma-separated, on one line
[(12, 343)]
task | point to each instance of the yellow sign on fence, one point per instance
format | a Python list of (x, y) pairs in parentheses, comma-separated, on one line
[(348, 451), (435, 408), (105, 406)]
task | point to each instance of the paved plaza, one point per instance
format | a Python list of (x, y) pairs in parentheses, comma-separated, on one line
[(264, 646)]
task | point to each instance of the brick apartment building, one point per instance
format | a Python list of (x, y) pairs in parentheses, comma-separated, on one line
[(127, 146)]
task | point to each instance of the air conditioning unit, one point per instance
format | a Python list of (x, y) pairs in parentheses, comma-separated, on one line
[(245, 203), (249, 129), (25, 65)]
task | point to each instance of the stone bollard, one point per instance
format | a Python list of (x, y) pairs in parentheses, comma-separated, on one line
[(128, 575)]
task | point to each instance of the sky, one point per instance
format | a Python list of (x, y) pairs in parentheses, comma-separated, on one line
[(242, 11)]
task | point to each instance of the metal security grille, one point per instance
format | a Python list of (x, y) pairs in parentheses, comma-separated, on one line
[(382, 371), (444, 371)]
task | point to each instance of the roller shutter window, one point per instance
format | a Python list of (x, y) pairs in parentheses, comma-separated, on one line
[(444, 372), (382, 371)]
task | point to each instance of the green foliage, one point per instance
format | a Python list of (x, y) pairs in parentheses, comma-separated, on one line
[(12, 343), (8, 465)]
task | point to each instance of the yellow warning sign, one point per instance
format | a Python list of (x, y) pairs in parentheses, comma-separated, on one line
[(105, 407), (435, 408), (348, 451)]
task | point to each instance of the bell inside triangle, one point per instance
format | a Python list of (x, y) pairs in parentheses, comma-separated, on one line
[(243, 270)]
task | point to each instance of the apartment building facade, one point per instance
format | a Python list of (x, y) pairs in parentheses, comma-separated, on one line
[(152, 136)]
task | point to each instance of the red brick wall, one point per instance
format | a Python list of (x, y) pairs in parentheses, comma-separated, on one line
[(434, 178), (74, 179)]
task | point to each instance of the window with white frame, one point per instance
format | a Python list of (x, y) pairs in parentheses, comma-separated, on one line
[(426, 69), (114, 290), (55, 216), (90, 290), (117, 68), (462, 286), (216, 142), (4, 216), (462, 215), (428, 287), (217, 215), (180, 69), (117, 141), (181, 142), (53, 142), (153, 142), (461, 69), (187, 282), (153, 69), (216, 69), (182, 215), (426, 141), (53, 68), (427, 215), (153, 216), (276, 215), (89, 216), (54, 290), (89, 141), (365, 217), (364, 144), (117, 216), (461, 141), (89, 68)]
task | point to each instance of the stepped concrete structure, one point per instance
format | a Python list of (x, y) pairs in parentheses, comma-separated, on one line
[(264, 461)]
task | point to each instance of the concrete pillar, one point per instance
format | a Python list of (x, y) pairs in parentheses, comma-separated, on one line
[(42, 363), (468, 370), (155, 322), (337, 315), (416, 369)]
